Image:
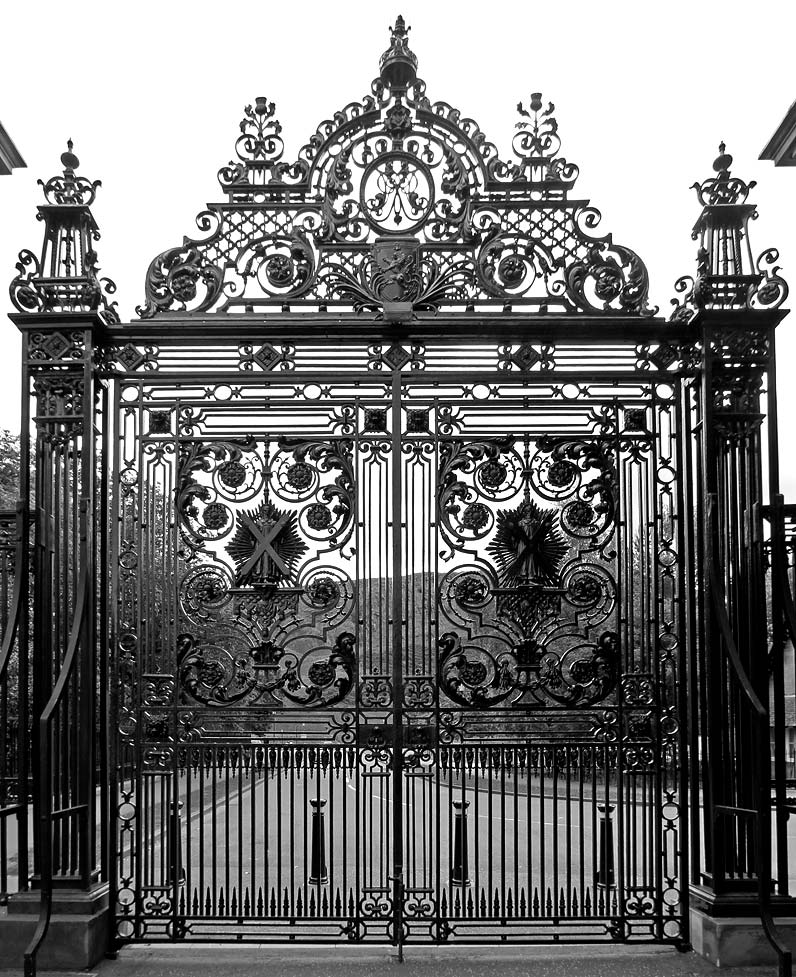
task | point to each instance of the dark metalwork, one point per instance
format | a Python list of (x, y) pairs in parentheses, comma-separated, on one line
[(397, 206), (15, 788), (413, 527), (64, 279)]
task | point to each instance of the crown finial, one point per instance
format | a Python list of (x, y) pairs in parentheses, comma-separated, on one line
[(723, 188), (69, 161), (398, 64), (723, 162)]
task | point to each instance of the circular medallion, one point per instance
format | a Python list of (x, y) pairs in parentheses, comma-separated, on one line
[(318, 516), (561, 473), (300, 475), (493, 473), (323, 592), (472, 673), (475, 517), (215, 515), (321, 673), (232, 474), (396, 194), (580, 514)]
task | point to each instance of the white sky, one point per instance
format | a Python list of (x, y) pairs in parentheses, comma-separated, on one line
[(152, 94)]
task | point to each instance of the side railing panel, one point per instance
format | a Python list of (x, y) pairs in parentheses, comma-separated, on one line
[(781, 565), (15, 787)]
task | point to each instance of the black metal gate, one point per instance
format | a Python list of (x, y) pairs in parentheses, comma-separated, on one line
[(372, 561), (397, 590), (397, 654)]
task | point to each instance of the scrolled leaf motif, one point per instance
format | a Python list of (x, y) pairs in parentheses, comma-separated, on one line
[(575, 672), (236, 474), (350, 284), (609, 280), (459, 520), (772, 291), (284, 265), (508, 264), (337, 498), (211, 674), (473, 676), (25, 294), (181, 277), (593, 504), (320, 676)]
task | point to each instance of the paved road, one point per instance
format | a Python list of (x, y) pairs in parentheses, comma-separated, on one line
[(294, 961)]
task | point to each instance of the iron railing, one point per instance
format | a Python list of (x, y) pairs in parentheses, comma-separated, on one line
[(14, 701), (63, 830), (735, 674)]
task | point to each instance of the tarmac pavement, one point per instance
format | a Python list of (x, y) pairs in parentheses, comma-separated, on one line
[(252, 960)]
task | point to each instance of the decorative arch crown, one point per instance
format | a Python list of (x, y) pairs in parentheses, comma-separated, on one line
[(397, 206)]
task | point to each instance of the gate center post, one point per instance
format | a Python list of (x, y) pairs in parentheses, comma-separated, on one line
[(397, 668)]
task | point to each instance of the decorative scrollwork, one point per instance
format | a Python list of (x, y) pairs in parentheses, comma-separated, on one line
[(613, 280), (212, 674), (772, 289), (300, 473), (223, 675), (572, 671), (182, 277), (581, 472), (327, 592), (397, 166), (493, 470), (282, 265), (475, 676), (396, 193), (375, 692), (236, 475), (204, 591), (466, 592), (320, 676), (590, 590)]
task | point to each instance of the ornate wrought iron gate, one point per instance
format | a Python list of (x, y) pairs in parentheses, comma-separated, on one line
[(391, 529), (397, 615), (403, 658)]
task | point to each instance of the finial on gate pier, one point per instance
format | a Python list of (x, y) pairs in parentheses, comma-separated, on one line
[(728, 278), (398, 64), (63, 278)]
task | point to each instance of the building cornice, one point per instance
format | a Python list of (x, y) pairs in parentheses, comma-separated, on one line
[(781, 147), (9, 154)]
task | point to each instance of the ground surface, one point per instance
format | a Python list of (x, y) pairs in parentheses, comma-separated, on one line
[(253, 961)]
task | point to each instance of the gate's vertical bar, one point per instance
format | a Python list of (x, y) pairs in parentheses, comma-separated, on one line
[(686, 636), (397, 667)]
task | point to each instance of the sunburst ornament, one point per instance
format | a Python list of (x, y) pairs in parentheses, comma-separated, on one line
[(527, 547), (266, 545)]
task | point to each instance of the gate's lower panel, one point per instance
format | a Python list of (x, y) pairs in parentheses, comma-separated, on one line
[(510, 841)]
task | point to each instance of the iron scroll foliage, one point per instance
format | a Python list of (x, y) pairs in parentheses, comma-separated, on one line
[(398, 199), (266, 620), (529, 613)]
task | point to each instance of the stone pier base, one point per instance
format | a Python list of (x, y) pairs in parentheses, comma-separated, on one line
[(733, 941), (77, 936)]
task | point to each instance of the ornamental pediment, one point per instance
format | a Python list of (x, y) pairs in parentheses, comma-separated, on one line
[(398, 206)]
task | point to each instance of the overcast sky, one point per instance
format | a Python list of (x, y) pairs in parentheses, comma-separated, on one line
[(152, 94)]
